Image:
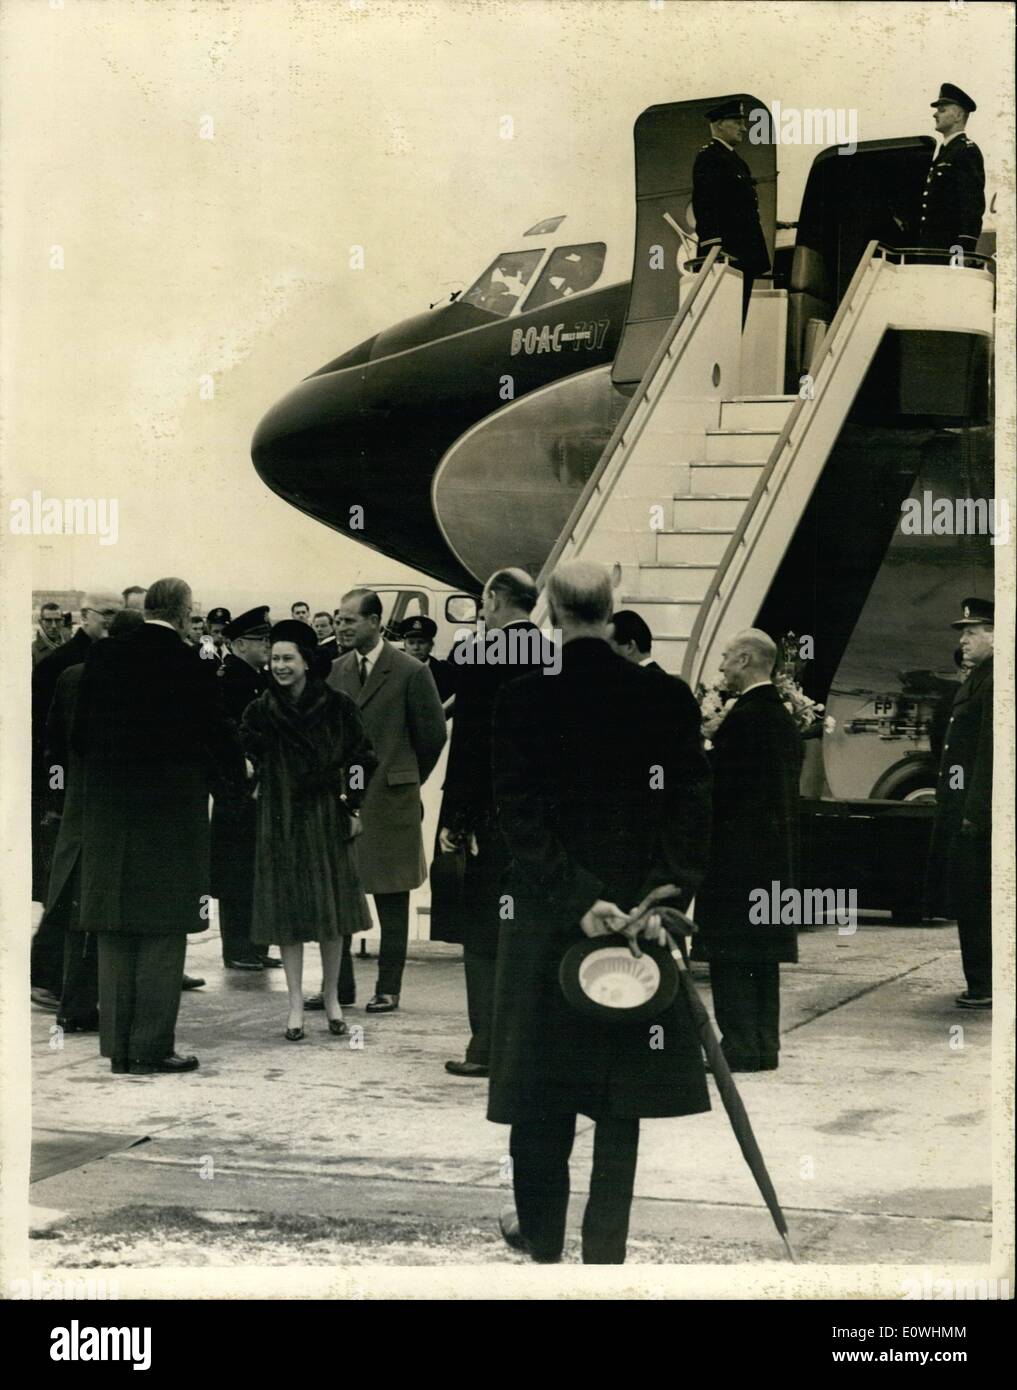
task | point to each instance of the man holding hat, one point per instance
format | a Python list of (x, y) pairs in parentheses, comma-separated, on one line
[(724, 200), (233, 817), (418, 634), (961, 854), (953, 199)]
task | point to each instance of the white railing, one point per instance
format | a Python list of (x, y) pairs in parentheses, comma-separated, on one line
[(627, 433), (778, 469)]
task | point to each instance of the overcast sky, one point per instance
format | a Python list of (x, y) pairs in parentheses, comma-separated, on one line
[(373, 122)]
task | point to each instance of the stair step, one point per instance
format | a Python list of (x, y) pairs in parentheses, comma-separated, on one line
[(693, 513), (675, 583), (740, 446), (692, 547), (727, 479), (755, 412), (664, 618)]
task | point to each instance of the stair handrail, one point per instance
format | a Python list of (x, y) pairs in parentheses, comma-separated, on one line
[(845, 308), (638, 399)]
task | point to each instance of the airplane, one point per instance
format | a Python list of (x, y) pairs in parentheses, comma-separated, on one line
[(462, 439)]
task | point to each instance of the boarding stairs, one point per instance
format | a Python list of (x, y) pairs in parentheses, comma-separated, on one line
[(697, 495)]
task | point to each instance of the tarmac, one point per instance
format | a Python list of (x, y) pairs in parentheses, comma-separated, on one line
[(363, 1151)]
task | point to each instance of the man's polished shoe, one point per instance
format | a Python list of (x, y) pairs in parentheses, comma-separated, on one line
[(45, 999), (171, 1064), (191, 982), (314, 1002), (382, 1004), (243, 965), (78, 1025), (508, 1224), (270, 962), (465, 1069), (967, 1000)]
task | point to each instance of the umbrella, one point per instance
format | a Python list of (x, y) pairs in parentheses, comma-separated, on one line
[(678, 926)]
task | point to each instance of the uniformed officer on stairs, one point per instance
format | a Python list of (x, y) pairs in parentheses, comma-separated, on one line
[(953, 198), (724, 200)]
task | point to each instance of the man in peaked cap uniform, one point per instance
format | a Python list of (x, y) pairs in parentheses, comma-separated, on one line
[(953, 199), (418, 636), (961, 855), (724, 198), (213, 647), (233, 816)]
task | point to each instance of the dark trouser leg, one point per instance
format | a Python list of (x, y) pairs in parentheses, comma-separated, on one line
[(767, 981), (79, 994), (540, 1152), (235, 913), (79, 1002), (347, 979), (47, 955), (394, 919), (480, 972), (972, 873), (734, 1009), (606, 1220), (117, 958), (158, 972)]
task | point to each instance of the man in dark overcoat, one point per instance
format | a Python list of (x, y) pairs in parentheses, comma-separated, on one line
[(467, 817), (960, 859), (757, 763), (153, 734), (724, 200), (79, 997), (242, 678), (953, 197), (405, 723), (97, 610), (601, 793)]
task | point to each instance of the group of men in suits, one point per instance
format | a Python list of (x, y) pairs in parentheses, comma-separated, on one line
[(726, 208)]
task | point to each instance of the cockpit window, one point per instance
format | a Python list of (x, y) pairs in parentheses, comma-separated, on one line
[(569, 270), (504, 282)]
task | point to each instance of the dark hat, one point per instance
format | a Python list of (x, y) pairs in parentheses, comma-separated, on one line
[(253, 623), (977, 610), (303, 635), (419, 627), (955, 96), (293, 630), (730, 110), (218, 615), (602, 979)]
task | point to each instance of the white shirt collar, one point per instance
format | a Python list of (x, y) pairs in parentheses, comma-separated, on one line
[(370, 657), (948, 138), (753, 686), (647, 661), (161, 622), (724, 143)]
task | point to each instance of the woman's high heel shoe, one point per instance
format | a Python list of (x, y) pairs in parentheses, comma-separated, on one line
[(337, 1027), (294, 1034)]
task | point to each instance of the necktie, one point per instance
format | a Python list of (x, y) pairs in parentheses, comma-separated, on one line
[(363, 670)]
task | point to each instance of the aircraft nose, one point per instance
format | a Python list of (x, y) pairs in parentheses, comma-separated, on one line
[(294, 448)]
